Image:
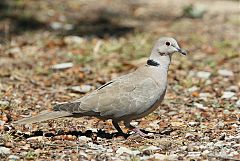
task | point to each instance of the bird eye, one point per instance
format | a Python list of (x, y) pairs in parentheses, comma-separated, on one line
[(168, 43)]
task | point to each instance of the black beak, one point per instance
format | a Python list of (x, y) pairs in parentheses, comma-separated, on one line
[(183, 52)]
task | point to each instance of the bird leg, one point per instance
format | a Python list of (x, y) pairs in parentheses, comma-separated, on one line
[(115, 124), (135, 129)]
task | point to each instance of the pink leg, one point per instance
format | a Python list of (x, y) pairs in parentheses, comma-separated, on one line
[(139, 132), (135, 129)]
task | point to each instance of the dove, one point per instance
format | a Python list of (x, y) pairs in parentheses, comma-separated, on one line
[(126, 98)]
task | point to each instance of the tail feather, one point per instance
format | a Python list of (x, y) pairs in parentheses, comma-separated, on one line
[(43, 117)]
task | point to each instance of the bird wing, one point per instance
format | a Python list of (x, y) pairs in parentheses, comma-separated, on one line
[(130, 94)]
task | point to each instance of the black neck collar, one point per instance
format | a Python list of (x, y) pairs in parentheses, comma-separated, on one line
[(152, 63)]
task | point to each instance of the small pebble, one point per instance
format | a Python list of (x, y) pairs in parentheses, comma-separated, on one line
[(227, 95), (205, 152), (73, 40), (204, 96), (84, 138), (200, 106), (194, 154), (238, 104), (220, 125), (232, 88), (81, 89), (154, 124), (122, 150), (193, 89), (13, 157), (203, 74), (152, 148), (160, 156), (4, 151), (2, 123), (226, 73), (56, 25), (4, 103), (62, 66)]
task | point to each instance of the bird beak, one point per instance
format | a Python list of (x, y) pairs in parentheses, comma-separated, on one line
[(183, 52)]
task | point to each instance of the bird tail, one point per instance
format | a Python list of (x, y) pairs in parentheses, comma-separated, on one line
[(43, 117)]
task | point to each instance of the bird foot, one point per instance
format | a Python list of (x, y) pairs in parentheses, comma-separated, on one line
[(139, 132)]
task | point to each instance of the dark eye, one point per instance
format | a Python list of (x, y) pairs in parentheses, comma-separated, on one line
[(168, 43)]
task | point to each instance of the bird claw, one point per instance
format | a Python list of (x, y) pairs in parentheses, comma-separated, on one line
[(139, 132)]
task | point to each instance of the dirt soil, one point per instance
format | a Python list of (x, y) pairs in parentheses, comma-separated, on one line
[(100, 40)]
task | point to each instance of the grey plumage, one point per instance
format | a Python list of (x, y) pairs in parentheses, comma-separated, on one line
[(125, 98), (43, 117)]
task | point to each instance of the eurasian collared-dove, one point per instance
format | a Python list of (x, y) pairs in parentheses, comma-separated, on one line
[(125, 98)]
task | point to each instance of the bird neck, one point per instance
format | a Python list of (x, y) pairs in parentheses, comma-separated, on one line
[(162, 61)]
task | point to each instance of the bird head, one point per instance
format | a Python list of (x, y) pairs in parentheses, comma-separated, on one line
[(168, 46)]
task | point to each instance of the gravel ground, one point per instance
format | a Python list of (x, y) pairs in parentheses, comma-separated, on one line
[(62, 52)]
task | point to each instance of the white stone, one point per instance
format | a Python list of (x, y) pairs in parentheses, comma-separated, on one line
[(150, 134), (122, 150), (160, 156), (189, 135), (233, 153), (15, 50), (136, 152), (208, 82), (145, 157), (238, 104), (232, 88), (81, 152), (134, 123), (38, 138), (205, 138), (62, 66), (233, 138), (226, 112), (172, 157), (193, 89), (73, 40), (56, 25), (4, 150), (148, 129), (152, 148), (204, 95), (236, 145), (205, 152), (203, 74), (96, 147), (220, 124), (194, 154), (82, 88), (109, 150), (68, 26), (84, 138), (219, 144), (184, 148), (4, 103), (2, 123), (13, 157), (227, 95), (92, 129), (199, 105), (226, 73), (154, 124), (234, 125)]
